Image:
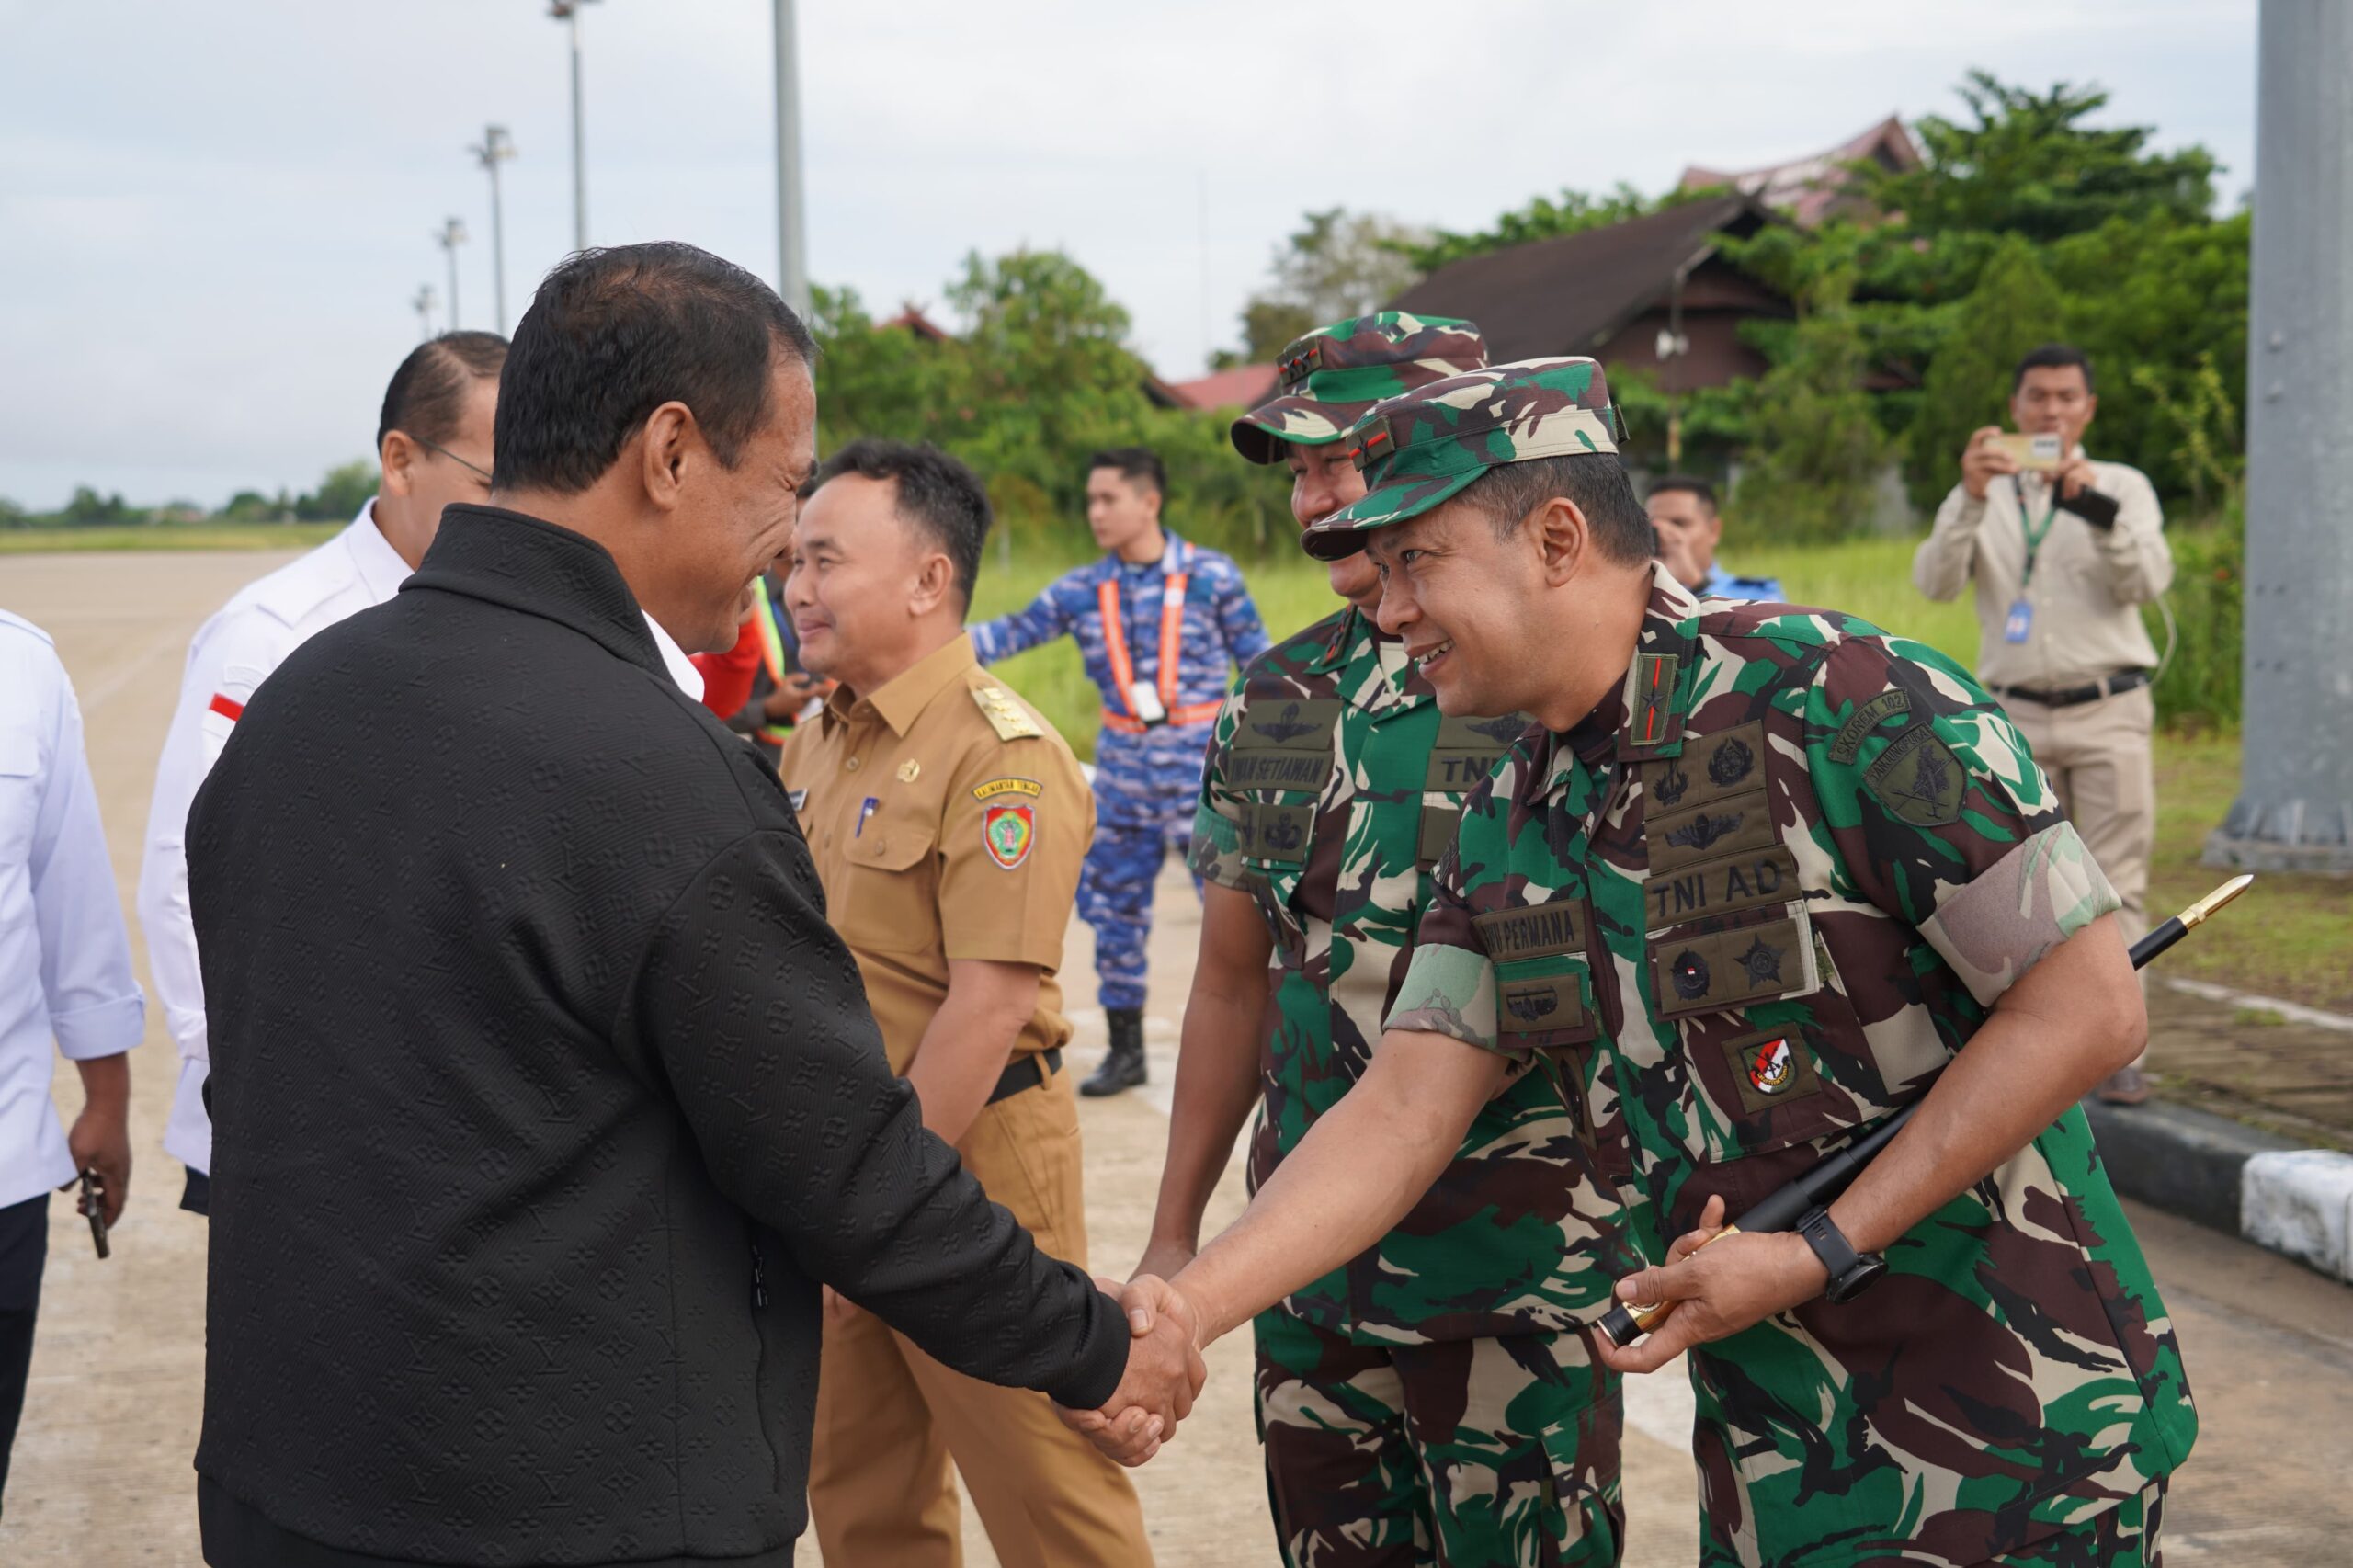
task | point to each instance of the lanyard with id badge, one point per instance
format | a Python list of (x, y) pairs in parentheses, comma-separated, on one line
[(2019, 623)]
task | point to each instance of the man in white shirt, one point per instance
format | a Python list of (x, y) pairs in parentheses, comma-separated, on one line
[(433, 439), (2064, 551), (64, 977)]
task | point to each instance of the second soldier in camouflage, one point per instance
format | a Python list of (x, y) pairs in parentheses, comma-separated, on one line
[(1432, 1401)]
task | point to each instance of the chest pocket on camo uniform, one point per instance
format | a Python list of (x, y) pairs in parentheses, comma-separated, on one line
[(1731, 954), (1466, 752), (1280, 760)]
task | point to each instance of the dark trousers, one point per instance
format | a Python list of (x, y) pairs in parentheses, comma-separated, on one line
[(24, 1248)]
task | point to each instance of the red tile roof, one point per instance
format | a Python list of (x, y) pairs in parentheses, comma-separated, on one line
[(1807, 189), (1244, 386)]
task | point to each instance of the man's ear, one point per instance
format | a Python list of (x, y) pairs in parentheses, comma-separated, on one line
[(2091, 406), (1563, 539), (935, 581), (399, 455), (670, 440)]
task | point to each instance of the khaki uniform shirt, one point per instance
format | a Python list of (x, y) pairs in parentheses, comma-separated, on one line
[(2088, 583), (947, 821)]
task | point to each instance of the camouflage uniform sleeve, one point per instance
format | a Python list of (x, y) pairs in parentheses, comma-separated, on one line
[(1941, 815), (1216, 854), (1450, 984)]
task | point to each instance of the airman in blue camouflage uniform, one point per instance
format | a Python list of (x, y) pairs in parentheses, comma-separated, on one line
[(1161, 624)]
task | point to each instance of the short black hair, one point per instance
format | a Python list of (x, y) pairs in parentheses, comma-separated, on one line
[(426, 399), (2053, 357), (613, 335), (935, 493), (1597, 482), (1136, 464), (1686, 484)]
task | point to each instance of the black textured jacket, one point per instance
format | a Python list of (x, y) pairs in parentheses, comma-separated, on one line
[(543, 1099)]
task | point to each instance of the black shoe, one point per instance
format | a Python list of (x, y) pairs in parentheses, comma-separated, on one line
[(1123, 1065)]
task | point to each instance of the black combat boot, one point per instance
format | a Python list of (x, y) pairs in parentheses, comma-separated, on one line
[(1123, 1063)]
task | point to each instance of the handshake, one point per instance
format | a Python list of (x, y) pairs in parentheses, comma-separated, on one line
[(1165, 1373)]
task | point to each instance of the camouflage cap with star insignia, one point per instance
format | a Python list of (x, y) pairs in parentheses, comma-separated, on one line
[(1422, 447), (1326, 380)]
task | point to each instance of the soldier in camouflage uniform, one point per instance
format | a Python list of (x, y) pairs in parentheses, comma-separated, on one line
[(1432, 1401), (1774, 873)]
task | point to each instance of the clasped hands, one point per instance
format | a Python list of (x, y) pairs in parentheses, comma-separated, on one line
[(1165, 1373)]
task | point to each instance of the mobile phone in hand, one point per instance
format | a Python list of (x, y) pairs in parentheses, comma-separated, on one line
[(94, 1204)]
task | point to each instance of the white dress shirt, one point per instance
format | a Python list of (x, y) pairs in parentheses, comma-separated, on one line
[(232, 654), (64, 954), (674, 659)]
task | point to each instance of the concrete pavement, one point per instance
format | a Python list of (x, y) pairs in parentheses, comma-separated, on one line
[(101, 1472)]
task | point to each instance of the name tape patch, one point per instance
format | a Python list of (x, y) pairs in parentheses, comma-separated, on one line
[(1532, 931)]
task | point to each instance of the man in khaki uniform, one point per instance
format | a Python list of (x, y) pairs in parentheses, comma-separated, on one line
[(947, 822), (2064, 551)]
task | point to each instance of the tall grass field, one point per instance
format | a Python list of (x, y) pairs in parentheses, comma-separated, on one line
[(1871, 578)]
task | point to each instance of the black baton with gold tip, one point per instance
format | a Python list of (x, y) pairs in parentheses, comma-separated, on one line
[(1823, 1181)]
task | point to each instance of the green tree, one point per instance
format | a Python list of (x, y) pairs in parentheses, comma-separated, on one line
[(873, 380), (88, 509), (341, 494), (2015, 307), (1817, 447), (1546, 218), (2028, 165), (1338, 264)]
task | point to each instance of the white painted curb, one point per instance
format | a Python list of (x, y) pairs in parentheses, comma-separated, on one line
[(2300, 1203)]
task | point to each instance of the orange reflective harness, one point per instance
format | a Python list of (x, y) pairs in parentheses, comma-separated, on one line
[(1123, 670)]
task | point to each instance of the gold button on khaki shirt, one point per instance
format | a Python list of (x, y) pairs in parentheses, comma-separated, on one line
[(947, 821)]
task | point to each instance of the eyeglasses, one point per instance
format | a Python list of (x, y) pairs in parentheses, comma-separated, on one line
[(478, 472)]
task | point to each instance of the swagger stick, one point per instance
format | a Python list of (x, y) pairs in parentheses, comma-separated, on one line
[(1781, 1210)]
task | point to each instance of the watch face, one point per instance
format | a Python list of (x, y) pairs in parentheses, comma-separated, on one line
[(1868, 1268)]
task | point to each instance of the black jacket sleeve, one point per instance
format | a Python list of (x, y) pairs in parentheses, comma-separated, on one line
[(753, 1008)]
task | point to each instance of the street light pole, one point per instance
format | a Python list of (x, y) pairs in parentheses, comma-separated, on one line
[(792, 255), (449, 236), (568, 13), (2294, 810), (422, 305), (496, 148)]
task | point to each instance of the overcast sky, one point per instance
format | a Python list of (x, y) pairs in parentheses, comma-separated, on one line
[(213, 217)]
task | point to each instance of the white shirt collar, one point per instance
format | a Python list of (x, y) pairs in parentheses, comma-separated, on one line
[(382, 570), (674, 659)]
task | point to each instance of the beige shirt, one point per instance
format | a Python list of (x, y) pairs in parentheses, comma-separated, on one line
[(947, 819), (2087, 586)]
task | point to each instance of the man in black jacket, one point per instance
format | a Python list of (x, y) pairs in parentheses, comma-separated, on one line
[(544, 1096)]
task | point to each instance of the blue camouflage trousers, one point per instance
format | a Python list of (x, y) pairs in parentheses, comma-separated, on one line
[(1145, 789)]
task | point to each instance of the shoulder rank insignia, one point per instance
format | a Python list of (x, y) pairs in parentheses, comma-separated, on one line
[(1005, 716)]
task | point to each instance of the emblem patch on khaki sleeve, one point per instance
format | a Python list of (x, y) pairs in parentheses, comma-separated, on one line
[(1008, 831), (1918, 779)]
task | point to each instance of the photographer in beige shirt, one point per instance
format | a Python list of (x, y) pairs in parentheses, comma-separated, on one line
[(2063, 552)]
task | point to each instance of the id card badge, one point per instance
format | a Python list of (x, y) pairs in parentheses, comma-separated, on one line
[(2019, 622), (1146, 699)]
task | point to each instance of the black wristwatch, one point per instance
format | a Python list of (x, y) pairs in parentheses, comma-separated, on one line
[(1851, 1272)]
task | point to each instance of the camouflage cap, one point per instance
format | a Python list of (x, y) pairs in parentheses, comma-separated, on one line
[(1327, 379), (1419, 449)]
